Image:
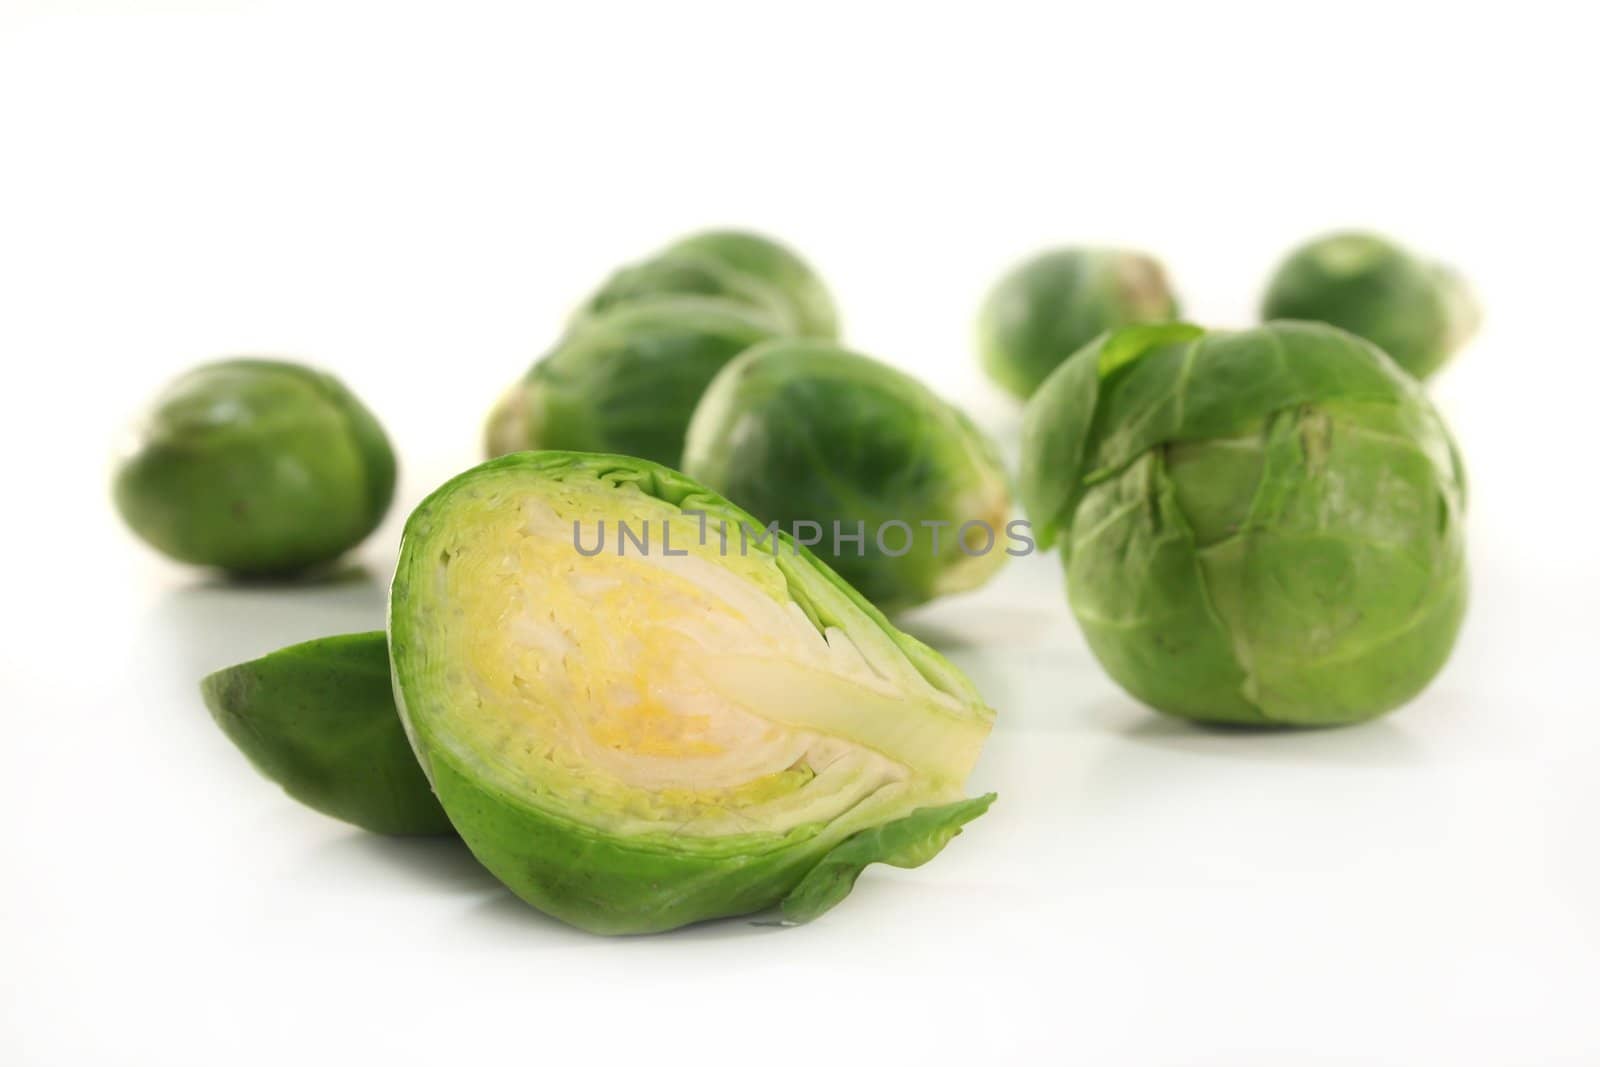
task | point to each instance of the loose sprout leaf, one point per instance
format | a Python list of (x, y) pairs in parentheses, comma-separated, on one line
[(319, 719)]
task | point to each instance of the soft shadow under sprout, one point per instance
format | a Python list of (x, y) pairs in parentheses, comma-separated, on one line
[(217, 623), (1379, 743)]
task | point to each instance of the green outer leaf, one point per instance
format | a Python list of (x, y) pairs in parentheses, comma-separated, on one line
[(907, 842), (1056, 423), (805, 431), (319, 719), (600, 881), (1345, 585), (1226, 383), (1137, 590), (1149, 390)]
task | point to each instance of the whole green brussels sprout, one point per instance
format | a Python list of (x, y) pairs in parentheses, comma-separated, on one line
[(814, 314), (319, 719), (256, 466), (634, 728), (1418, 312), (895, 488), (1050, 306), (1258, 527), (626, 380), (689, 273)]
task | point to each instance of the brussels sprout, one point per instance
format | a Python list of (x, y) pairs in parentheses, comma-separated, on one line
[(898, 490), (319, 719), (778, 266), (1053, 304), (1259, 527), (627, 380), (1416, 311), (689, 273), (257, 467), (635, 729)]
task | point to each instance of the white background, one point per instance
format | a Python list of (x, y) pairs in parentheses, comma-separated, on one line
[(413, 199)]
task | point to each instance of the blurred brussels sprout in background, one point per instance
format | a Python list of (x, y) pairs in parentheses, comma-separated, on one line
[(804, 432), (689, 274), (642, 349), (1258, 527), (1049, 306), (319, 719), (256, 466), (638, 734), (746, 268), (626, 380), (1418, 312), (777, 265)]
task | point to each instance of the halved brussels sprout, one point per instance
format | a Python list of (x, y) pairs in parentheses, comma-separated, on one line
[(1259, 527), (777, 265), (1418, 312), (626, 380), (1055, 303), (319, 719), (895, 488), (258, 467), (634, 728)]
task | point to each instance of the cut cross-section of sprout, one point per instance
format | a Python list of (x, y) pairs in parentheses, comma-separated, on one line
[(636, 728)]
